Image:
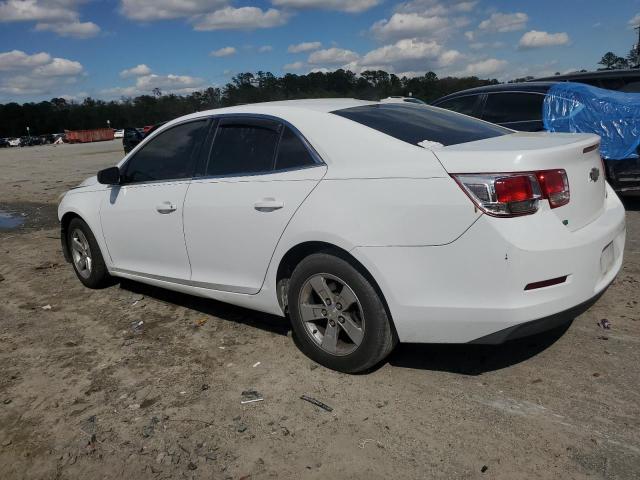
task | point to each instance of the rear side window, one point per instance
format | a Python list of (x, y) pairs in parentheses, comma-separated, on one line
[(513, 107), (292, 153), (169, 155), (414, 124), (464, 104), (242, 150)]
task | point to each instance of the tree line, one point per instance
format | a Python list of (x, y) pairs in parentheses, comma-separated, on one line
[(58, 114)]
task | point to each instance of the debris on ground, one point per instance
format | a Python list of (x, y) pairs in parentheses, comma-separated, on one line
[(46, 307), (149, 429), (256, 364), (250, 396), (1, 278), (137, 327), (200, 322), (318, 403), (484, 468), (604, 323), (204, 387)]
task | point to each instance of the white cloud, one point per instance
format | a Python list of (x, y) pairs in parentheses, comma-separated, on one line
[(73, 29), (485, 45), (487, 67), (243, 18), (406, 25), (537, 39), (351, 6), (635, 21), (19, 60), (404, 54), (137, 71), (58, 16), (294, 66), (144, 85), (504, 22), (304, 47), (59, 67), (224, 52), (150, 10), (36, 74), (332, 56), (265, 49)]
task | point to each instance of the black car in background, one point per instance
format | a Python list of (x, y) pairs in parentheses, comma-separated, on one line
[(622, 80), (133, 136), (519, 106)]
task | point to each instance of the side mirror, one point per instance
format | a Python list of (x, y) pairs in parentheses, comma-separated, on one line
[(109, 176)]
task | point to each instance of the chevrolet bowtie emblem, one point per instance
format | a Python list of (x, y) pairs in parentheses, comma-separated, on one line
[(594, 174)]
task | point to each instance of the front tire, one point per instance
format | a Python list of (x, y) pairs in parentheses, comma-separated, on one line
[(86, 257), (337, 316)]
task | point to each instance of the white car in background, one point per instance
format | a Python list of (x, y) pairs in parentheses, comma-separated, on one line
[(395, 99), (118, 133), (14, 142), (329, 211)]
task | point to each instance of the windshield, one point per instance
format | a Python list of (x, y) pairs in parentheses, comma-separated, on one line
[(417, 123)]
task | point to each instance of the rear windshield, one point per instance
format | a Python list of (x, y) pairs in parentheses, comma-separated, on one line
[(415, 123)]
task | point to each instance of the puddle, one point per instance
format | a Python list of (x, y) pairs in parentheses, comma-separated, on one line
[(26, 216), (9, 220)]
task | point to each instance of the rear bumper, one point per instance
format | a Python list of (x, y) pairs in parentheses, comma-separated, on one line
[(474, 287), (624, 176)]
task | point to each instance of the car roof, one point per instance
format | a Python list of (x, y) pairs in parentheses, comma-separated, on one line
[(324, 105), (534, 87), (600, 74)]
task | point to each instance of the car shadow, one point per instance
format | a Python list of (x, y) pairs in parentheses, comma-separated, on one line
[(224, 311), (472, 359), (631, 204), (464, 359)]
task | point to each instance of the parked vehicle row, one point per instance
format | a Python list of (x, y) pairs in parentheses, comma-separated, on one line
[(365, 223)]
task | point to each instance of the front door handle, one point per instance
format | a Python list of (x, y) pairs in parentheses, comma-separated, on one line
[(268, 205), (166, 207)]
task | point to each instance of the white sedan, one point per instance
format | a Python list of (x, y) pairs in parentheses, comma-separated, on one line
[(118, 133), (365, 223)]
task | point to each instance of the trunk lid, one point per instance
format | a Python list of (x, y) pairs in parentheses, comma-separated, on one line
[(577, 154)]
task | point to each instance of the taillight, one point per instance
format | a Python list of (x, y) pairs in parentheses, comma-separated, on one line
[(554, 185), (514, 194)]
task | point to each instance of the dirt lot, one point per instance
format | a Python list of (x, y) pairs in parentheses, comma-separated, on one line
[(84, 394)]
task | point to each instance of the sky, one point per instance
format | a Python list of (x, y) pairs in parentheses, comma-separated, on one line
[(108, 49)]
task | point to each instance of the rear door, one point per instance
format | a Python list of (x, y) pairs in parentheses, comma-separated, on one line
[(517, 110), (257, 174)]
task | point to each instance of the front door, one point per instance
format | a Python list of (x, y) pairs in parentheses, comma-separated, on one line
[(258, 174), (142, 217)]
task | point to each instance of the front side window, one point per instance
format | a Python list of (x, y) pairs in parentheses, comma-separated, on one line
[(242, 149), (513, 107), (414, 123), (170, 155)]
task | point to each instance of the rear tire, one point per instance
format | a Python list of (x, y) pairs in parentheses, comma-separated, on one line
[(86, 257), (337, 316)]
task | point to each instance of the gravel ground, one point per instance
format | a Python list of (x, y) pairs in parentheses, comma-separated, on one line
[(84, 393)]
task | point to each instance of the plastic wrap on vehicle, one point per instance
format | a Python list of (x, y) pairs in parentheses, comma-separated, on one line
[(579, 108)]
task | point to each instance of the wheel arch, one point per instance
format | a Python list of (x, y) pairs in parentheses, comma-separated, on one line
[(297, 253), (65, 220)]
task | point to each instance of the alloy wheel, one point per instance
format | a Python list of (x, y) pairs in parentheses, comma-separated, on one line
[(81, 253), (331, 314)]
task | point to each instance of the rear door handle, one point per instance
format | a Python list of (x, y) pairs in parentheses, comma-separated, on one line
[(268, 205), (166, 207)]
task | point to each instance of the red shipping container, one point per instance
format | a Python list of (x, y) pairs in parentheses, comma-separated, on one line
[(85, 136)]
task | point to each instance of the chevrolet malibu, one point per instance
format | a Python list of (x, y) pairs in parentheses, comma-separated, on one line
[(365, 223)]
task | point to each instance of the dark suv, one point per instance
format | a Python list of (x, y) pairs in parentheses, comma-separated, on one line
[(519, 106)]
